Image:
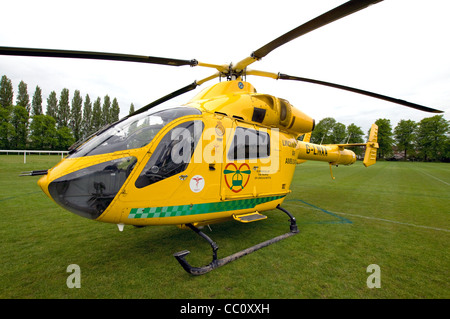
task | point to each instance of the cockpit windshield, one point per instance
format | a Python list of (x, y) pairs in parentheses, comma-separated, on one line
[(134, 132)]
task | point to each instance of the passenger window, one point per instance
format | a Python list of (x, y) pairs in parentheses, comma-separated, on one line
[(173, 153), (248, 143)]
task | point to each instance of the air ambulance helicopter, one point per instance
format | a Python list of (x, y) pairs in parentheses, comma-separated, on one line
[(228, 154)]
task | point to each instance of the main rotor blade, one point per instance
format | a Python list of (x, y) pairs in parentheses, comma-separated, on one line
[(165, 98), (343, 10), (94, 56), (363, 92), (337, 13)]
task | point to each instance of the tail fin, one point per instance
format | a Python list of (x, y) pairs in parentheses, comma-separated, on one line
[(370, 156)]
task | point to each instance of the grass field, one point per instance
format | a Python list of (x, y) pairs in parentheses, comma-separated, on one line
[(395, 215)]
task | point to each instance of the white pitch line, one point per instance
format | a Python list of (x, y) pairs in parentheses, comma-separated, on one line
[(394, 222), (438, 179)]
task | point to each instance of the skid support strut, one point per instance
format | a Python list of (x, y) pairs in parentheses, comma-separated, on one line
[(215, 263)]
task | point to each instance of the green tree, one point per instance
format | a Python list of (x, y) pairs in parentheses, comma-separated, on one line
[(43, 133), (432, 139), (63, 115), (65, 138), (23, 99), (87, 116), (36, 102), (76, 115), (52, 105), (6, 128), (446, 155), (355, 134), (405, 136), (338, 133), (322, 133), (97, 115), (131, 109), (19, 120), (6, 101), (106, 113), (385, 140), (115, 111), (6, 92)]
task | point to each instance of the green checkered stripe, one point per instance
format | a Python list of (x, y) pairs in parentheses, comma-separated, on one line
[(183, 210)]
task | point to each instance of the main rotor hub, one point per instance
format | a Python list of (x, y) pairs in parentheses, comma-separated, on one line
[(232, 73)]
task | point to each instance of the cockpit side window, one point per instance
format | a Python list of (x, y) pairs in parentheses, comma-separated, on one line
[(135, 132), (173, 153)]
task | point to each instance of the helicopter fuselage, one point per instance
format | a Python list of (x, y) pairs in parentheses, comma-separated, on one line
[(228, 152)]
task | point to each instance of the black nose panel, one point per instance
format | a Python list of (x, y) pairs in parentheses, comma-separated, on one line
[(89, 191)]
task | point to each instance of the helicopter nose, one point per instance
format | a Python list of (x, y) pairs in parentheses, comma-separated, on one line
[(43, 182), (89, 191)]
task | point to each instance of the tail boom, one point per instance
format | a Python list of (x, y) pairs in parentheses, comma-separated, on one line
[(336, 154), (333, 154)]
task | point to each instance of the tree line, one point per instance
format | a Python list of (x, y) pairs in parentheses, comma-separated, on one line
[(426, 140), (24, 125)]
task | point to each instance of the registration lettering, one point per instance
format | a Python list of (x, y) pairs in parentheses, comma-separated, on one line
[(316, 150)]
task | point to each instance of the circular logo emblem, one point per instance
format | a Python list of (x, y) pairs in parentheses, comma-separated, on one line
[(241, 85), (197, 183), (220, 130)]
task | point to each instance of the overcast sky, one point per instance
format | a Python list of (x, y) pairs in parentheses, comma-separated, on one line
[(399, 48)]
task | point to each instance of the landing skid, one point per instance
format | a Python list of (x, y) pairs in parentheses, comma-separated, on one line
[(215, 263)]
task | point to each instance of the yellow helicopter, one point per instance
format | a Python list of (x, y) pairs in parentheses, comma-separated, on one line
[(228, 154)]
